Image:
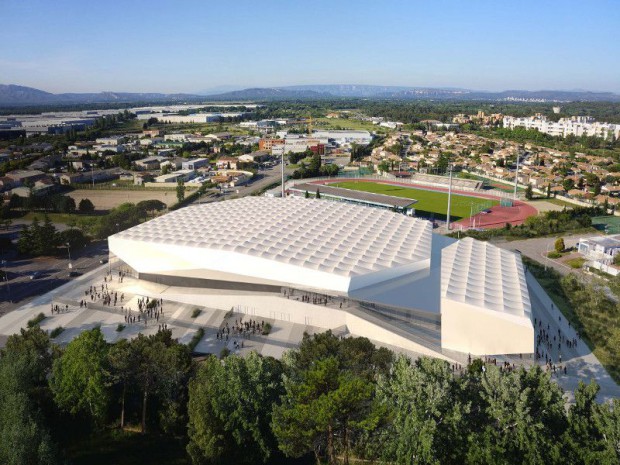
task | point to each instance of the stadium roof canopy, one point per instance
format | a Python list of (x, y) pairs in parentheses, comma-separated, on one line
[(254, 235), (481, 274), (369, 198)]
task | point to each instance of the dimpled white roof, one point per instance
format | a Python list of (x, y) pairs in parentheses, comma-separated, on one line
[(335, 237), (481, 274)]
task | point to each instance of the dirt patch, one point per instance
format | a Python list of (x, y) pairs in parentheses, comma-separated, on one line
[(108, 199)]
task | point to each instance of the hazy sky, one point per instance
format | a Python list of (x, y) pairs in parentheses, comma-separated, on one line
[(191, 46)]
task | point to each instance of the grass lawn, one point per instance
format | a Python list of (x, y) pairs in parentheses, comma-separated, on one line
[(64, 218), (429, 202), (343, 123)]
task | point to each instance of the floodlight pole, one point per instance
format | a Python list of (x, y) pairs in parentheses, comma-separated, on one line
[(449, 199), (516, 178), (282, 169)]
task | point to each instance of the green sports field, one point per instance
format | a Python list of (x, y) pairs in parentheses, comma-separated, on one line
[(430, 203)]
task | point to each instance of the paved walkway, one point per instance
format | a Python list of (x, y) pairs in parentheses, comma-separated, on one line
[(581, 363)]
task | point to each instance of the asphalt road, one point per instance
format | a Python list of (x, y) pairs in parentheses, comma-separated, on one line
[(264, 178), (51, 272), (537, 249)]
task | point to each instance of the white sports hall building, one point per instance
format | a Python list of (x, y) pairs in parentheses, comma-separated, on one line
[(380, 274)]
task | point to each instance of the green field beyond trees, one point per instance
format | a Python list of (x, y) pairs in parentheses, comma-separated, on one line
[(429, 202)]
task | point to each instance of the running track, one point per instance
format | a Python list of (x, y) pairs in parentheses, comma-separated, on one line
[(497, 218)]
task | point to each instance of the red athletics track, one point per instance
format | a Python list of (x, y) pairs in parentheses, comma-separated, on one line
[(497, 218)]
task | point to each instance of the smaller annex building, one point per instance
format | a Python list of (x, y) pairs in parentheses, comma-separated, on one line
[(381, 274)]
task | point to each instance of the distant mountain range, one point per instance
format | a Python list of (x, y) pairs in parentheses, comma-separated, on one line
[(409, 93), (19, 96), (12, 95)]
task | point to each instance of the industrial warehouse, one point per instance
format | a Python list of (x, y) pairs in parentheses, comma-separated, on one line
[(334, 265)]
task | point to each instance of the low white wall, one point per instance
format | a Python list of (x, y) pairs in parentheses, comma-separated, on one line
[(291, 310), (603, 267)]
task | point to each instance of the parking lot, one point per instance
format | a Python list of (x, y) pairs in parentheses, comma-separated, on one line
[(31, 277)]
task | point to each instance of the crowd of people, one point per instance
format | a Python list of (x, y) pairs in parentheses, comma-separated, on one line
[(240, 328), (311, 297), (59, 308), (148, 309)]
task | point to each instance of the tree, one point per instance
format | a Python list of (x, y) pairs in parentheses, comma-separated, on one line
[(423, 398), (324, 404), (384, 166), (148, 206), (86, 206), (121, 371), (63, 204), (529, 192), (162, 368), (180, 190), (307, 195), (568, 184), (559, 245), (318, 194), (516, 417), (78, 379), (330, 396), (74, 237), (25, 364), (584, 438), (38, 239), (25, 439), (230, 407)]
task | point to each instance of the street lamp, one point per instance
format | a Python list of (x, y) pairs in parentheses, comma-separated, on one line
[(69, 252)]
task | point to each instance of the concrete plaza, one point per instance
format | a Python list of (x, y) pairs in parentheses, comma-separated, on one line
[(580, 362)]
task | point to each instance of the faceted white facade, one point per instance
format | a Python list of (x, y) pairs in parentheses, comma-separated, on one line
[(311, 243), (485, 304)]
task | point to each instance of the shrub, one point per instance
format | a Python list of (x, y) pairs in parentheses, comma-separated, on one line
[(559, 245), (120, 327), (225, 352), (86, 206), (554, 254), (576, 262), (196, 339), (266, 329), (56, 332), (196, 312), (36, 320)]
